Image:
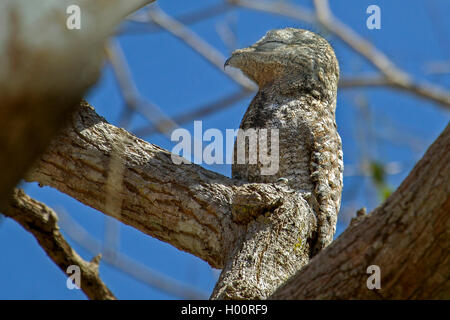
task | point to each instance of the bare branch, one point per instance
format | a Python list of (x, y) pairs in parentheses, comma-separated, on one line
[(391, 76), (134, 102), (227, 35), (204, 13), (128, 265), (437, 67), (164, 200), (186, 19), (198, 44), (41, 221), (281, 8), (363, 81), (200, 112), (363, 170), (424, 90), (184, 205), (357, 43)]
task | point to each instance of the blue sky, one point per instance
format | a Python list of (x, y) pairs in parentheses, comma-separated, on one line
[(395, 127)]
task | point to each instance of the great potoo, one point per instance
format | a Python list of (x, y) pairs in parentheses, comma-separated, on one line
[(297, 73)]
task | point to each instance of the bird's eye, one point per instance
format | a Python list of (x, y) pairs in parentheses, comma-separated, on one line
[(269, 46)]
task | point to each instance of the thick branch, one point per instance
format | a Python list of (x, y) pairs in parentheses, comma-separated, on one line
[(41, 221), (408, 237), (184, 205)]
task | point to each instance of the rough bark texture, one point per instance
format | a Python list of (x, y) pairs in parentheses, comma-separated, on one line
[(198, 211), (408, 237), (41, 222), (272, 249), (184, 205)]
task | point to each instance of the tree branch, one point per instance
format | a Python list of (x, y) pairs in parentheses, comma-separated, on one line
[(167, 201), (220, 220), (424, 90), (201, 212), (199, 112), (391, 76), (133, 101), (408, 237), (128, 265), (186, 19), (198, 44), (41, 222), (394, 77), (184, 205)]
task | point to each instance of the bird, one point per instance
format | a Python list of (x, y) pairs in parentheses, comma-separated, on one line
[(297, 74)]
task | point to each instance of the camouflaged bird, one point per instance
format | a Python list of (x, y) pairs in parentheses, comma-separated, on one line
[(297, 73)]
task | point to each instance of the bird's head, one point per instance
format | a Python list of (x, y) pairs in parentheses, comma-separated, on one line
[(293, 59)]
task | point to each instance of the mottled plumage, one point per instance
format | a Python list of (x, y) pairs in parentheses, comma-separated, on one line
[(297, 73)]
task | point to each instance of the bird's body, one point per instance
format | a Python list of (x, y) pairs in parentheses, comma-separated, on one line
[(297, 74)]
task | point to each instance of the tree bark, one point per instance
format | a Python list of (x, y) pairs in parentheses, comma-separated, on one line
[(408, 237), (41, 222), (220, 220), (258, 233), (194, 209)]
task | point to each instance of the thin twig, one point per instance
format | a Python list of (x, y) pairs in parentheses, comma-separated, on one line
[(391, 76), (227, 35), (200, 112), (281, 8), (437, 67), (423, 90), (186, 19), (357, 43), (211, 54), (394, 77), (374, 80), (41, 221), (134, 102), (363, 169)]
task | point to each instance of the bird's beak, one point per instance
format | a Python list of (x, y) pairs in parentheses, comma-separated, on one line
[(227, 63), (236, 57)]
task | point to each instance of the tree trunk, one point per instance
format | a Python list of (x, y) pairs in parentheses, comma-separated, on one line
[(408, 237)]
